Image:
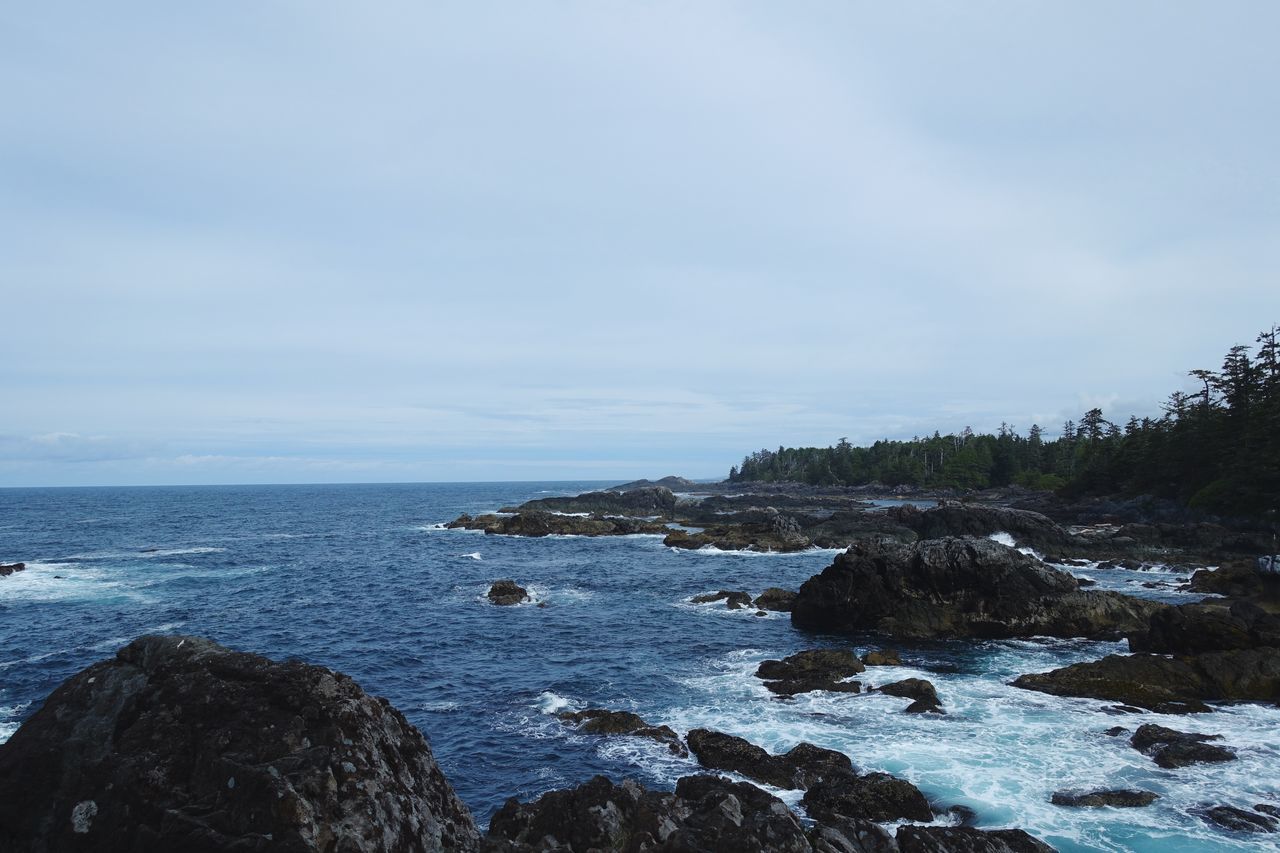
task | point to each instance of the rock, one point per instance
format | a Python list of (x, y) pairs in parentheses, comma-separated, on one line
[(1114, 798), (883, 657), (1237, 820), (732, 600), (671, 482), (1171, 749), (1115, 731), (505, 593), (872, 796), (1267, 809), (1167, 685), (644, 502), (800, 767), (955, 519), (913, 688), (180, 744), (11, 568), (603, 722), (944, 588), (810, 670), (746, 536), (1194, 628), (536, 523), (776, 599), (1239, 579), (705, 813), (852, 835), (963, 839)]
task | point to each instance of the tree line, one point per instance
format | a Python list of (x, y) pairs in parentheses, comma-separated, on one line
[(1216, 449)]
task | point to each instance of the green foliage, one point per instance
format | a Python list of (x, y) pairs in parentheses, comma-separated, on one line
[(1216, 449)]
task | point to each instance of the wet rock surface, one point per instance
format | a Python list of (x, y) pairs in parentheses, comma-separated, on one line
[(180, 744), (505, 593), (869, 796), (776, 599), (918, 689), (810, 670), (732, 600), (798, 768), (535, 523), (1167, 684), (600, 721), (1171, 749), (958, 588), (1094, 799), (9, 569), (882, 657), (1238, 820), (1192, 629)]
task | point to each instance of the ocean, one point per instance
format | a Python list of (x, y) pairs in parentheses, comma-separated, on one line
[(363, 579)]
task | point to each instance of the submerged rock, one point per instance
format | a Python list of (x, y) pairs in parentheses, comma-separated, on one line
[(180, 744), (1164, 684), (11, 568), (732, 600), (1114, 798), (1237, 820), (505, 593), (1171, 749), (959, 588), (810, 670), (602, 722)]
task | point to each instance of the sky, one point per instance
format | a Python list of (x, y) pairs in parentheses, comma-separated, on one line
[(259, 242)]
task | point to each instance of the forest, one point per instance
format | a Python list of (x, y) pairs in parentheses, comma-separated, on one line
[(1216, 448)]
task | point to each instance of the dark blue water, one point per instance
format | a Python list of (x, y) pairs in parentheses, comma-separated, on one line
[(360, 579)]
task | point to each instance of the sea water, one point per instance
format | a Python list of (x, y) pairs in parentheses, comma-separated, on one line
[(365, 579)]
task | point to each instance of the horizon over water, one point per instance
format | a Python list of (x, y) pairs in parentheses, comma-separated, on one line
[(363, 579)]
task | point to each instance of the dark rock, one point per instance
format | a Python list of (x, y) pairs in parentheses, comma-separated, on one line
[(1085, 582), (11, 568), (181, 744), (800, 767), (883, 657), (535, 524), (776, 599), (963, 839), (1171, 749), (1237, 820), (732, 600), (955, 519), (603, 722), (870, 796), (1267, 809), (672, 482), (959, 588), (705, 813), (505, 593), (1115, 731), (1167, 685), (1191, 629), (852, 835), (912, 688), (810, 670), (771, 537), (964, 815), (642, 502), (1115, 798), (1239, 579)]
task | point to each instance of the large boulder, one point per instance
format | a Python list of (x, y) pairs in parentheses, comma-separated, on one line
[(870, 796), (810, 670), (600, 721), (964, 839), (959, 588), (507, 593), (1171, 749), (959, 519), (704, 813), (11, 568), (1194, 628), (180, 744), (799, 767), (1167, 684)]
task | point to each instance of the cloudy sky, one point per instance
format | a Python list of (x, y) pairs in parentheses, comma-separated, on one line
[(322, 242)]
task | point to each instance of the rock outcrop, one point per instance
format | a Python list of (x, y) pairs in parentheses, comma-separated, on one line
[(810, 670), (732, 599), (882, 657), (11, 568), (1167, 684), (918, 689), (180, 744), (943, 588), (1171, 749), (642, 502), (1115, 798), (505, 593), (536, 523), (960, 519), (800, 767), (599, 721), (1238, 820), (1191, 629), (776, 599)]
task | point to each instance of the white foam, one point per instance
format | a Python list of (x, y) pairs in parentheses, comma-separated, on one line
[(1003, 538), (552, 703), (474, 555)]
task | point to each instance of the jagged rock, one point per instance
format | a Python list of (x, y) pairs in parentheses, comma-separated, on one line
[(1240, 579), (636, 502), (180, 744), (1195, 628), (963, 839), (810, 670), (603, 722), (1267, 809), (747, 536), (732, 600), (671, 482), (799, 767), (11, 568), (505, 593), (955, 519), (870, 796), (1115, 731), (1167, 685), (852, 835), (1114, 798), (1172, 749), (705, 813), (913, 688), (883, 657), (959, 588), (1237, 820), (776, 599), (536, 523)]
